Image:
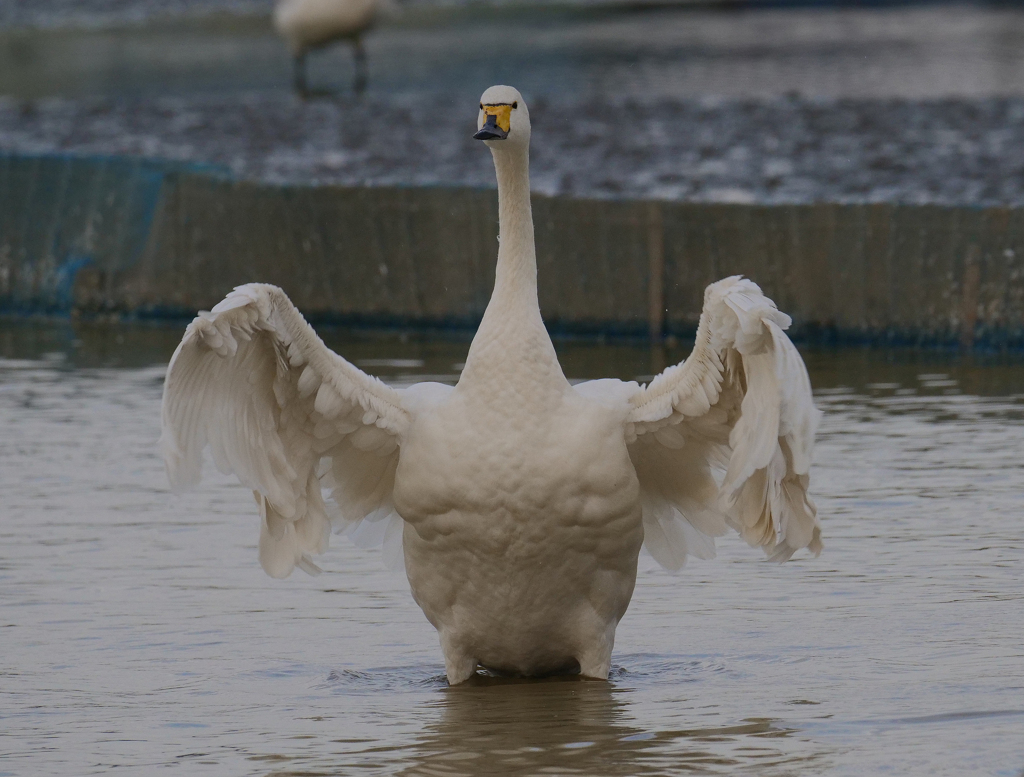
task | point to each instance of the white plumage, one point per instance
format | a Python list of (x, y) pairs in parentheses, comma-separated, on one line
[(313, 24), (519, 503)]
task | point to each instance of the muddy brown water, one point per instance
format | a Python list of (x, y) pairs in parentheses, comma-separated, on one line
[(139, 634)]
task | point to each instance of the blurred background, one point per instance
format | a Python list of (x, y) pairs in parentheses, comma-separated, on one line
[(740, 102)]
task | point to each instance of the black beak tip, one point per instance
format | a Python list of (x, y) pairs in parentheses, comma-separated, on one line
[(490, 133)]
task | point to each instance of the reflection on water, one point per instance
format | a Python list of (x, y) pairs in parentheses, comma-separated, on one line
[(571, 726), (137, 629), (504, 727)]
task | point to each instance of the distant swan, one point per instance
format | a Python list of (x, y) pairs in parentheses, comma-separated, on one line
[(313, 24), (518, 501)]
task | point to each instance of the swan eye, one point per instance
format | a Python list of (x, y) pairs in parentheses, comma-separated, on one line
[(515, 105), (481, 106)]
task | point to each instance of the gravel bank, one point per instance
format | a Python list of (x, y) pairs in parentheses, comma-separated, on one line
[(787, 150)]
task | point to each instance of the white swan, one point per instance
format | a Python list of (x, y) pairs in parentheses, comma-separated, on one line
[(313, 24), (520, 502)]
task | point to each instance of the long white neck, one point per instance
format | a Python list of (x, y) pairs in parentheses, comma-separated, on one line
[(515, 277), (512, 331)]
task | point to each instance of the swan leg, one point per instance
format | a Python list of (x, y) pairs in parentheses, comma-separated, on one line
[(359, 54), (299, 74), (596, 664), (459, 665), (596, 658)]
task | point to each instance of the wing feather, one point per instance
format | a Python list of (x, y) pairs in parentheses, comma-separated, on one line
[(254, 383), (740, 403)]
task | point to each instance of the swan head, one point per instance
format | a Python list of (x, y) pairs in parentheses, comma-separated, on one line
[(504, 120)]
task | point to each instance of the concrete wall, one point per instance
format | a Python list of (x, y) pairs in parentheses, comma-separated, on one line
[(151, 239)]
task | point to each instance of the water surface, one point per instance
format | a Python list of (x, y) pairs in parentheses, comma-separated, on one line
[(139, 634)]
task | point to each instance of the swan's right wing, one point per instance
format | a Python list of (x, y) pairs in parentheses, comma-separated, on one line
[(277, 408)]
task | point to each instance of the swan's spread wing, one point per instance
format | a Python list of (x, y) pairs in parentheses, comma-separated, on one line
[(253, 381), (740, 403)]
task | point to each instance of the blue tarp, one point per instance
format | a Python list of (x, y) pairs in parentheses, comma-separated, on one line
[(61, 213)]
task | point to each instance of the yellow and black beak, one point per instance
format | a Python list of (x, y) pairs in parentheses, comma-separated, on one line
[(497, 120)]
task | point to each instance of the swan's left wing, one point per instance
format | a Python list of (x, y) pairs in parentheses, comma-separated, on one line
[(741, 405), (253, 382)]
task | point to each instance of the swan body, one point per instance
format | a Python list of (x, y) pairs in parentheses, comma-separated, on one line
[(518, 502), (522, 558), (311, 24)]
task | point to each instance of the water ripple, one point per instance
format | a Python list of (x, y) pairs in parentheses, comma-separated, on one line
[(139, 631)]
